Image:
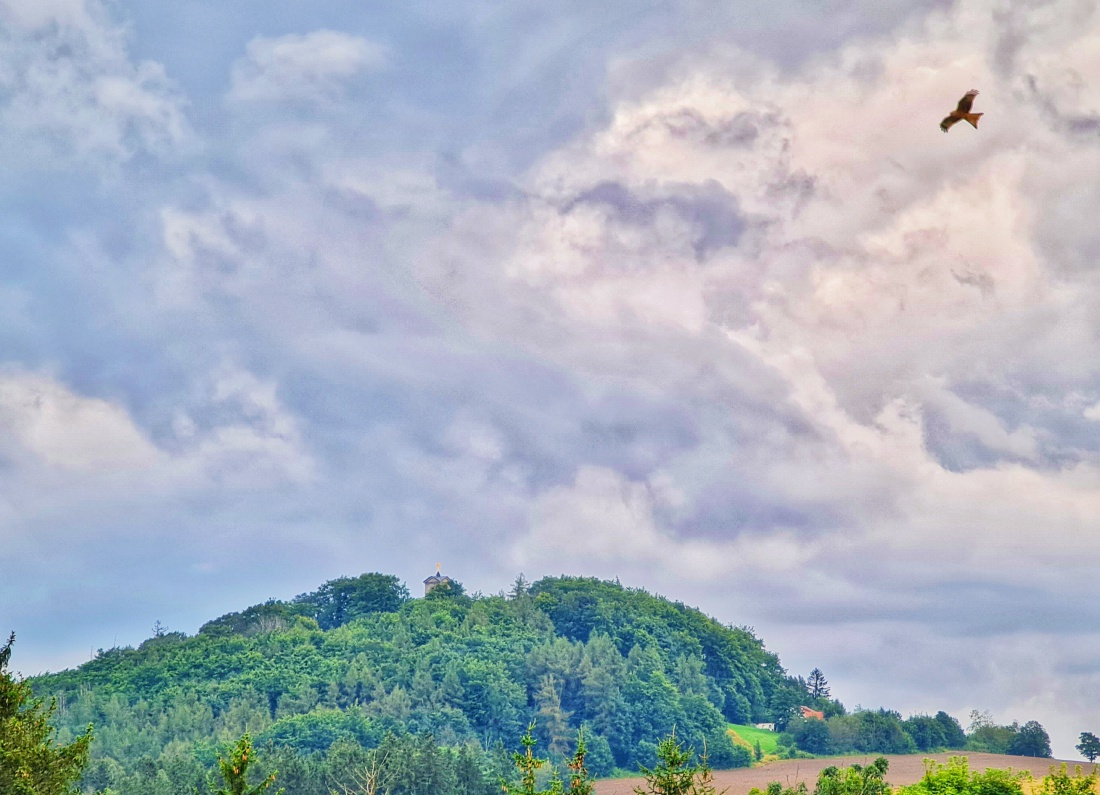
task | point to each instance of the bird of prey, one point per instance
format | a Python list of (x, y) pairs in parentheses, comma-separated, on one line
[(962, 112)]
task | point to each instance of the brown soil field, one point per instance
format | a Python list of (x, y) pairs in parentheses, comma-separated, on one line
[(906, 769)]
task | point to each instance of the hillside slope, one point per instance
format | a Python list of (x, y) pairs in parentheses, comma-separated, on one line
[(358, 659)]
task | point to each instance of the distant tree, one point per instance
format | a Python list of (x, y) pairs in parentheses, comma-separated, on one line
[(926, 731), (346, 598), (519, 588), (854, 780), (235, 771), (810, 735), (817, 686), (1031, 740), (953, 735), (1089, 747), (448, 589), (30, 761), (979, 720)]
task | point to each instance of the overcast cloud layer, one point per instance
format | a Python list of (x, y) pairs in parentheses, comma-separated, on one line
[(692, 294)]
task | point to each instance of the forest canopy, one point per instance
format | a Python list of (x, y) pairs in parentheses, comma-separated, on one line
[(453, 679)]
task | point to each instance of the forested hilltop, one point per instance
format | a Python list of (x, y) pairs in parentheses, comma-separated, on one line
[(445, 685)]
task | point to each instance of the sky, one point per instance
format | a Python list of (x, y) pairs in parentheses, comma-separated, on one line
[(690, 293)]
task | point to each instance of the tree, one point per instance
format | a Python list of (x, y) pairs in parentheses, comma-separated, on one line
[(527, 764), (810, 735), (30, 761), (817, 686), (1031, 740), (346, 598), (674, 774), (1089, 747), (579, 781), (854, 780), (235, 771), (953, 735)]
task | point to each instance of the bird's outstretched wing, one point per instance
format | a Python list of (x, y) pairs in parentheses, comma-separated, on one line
[(948, 122), (967, 102)]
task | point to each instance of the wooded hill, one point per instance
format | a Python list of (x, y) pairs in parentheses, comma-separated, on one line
[(448, 678)]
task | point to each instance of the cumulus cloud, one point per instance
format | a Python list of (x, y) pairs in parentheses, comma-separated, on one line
[(312, 66), (69, 431), (70, 95), (917, 303)]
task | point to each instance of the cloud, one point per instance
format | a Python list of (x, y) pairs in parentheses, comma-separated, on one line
[(69, 94), (700, 298), (69, 431), (312, 66)]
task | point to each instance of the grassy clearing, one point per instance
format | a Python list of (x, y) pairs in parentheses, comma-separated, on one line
[(750, 735)]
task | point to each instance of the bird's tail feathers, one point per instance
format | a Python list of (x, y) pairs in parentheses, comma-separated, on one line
[(973, 119)]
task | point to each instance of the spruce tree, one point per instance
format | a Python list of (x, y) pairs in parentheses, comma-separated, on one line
[(817, 686), (235, 771), (30, 761)]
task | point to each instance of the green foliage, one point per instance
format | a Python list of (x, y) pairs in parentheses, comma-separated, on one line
[(527, 764), (816, 685), (1031, 740), (865, 731), (32, 762), (854, 780), (956, 778), (347, 598), (767, 740), (580, 783), (677, 771), (935, 733), (358, 663), (1089, 747), (234, 772), (1060, 782)]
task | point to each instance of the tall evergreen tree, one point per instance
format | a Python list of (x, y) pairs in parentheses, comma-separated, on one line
[(235, 771), (817, 686), (31, 763)]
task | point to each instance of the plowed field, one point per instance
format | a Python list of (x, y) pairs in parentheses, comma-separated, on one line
[(906, 769)]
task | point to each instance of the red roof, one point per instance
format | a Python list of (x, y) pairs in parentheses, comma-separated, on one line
[(808, 713)]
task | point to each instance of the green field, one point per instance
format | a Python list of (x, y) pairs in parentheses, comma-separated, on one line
[(752, 735)]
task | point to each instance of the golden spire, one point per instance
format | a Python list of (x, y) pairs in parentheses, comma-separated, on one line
[(437, 568)]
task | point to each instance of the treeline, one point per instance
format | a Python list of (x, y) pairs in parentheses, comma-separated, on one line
[(883, 731), (359, 663), (447, 681)]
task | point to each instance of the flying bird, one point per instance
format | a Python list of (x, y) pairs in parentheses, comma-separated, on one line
[(962, 112)]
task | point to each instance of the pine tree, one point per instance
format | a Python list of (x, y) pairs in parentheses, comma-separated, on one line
[(235, 772), (579, 782), (817, 686), (527, 764), (30, 762), (674, 773)]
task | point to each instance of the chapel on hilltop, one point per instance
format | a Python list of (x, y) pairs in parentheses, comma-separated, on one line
[(434, 580)]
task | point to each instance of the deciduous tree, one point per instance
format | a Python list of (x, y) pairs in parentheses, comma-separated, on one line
[(1089, 747)]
